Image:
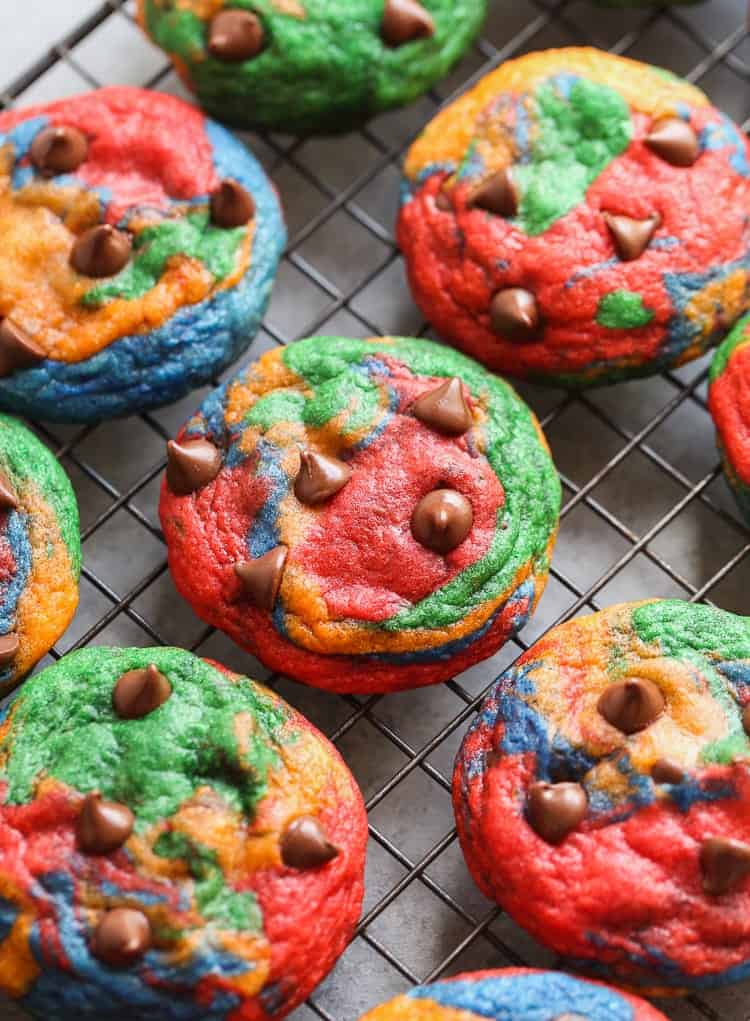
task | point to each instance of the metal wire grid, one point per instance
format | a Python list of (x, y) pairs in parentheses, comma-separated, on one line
[(631, 420)]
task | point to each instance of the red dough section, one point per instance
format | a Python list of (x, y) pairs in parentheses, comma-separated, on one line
[(362, 541), (729, 401), (457, 259), (144, 147), (587, 897)]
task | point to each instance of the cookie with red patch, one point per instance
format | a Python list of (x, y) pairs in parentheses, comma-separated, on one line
[(515, 994), (362, 515), (602, 796), (40, 552), (176, 844), (140, 245), (729, 403), (579, 218)]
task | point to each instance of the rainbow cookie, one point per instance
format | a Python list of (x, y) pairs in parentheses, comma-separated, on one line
[(141, 242), (358, 517), (603, 794), (40, 552), (310, 66), (579, 218), (176, 844), (729, 403), (515, 994)]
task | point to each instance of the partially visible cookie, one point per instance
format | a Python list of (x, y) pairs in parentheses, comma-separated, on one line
[(40, 551), (520, 994), (579, 218), (310, 66), (362, 515), (602, 796), (140, 245), (729, 403), (175, 842)]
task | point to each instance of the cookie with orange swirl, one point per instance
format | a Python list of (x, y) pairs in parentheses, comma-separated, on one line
[(176, 844), (362, 515)]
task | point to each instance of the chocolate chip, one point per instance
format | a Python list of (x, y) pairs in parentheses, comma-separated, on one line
[(497, 194), (724, 864), (632, 704), (234, 36), (8, 495), (191, 465), (631, 237), (103, 826), (17, 349), (665, 771), (746, 719), (404, 21), (9, 646), (122, 937), (101, 252), (305, 845), (319, 477), (674, 141), (514, 313), (261, 578), (231, 205), (444, 409), (58, 150), (139, 692), (555, 809), (443, 202), (442, 520)]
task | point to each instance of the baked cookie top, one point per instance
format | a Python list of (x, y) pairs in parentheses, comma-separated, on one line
[(362, 498), (579, 218), (519, 994), (127, 218), (174, 840), (618, 746), (729, 402), (307, 66), (40, 551)]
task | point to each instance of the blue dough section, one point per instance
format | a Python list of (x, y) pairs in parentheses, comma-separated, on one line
[(148, 370), (530, 996)]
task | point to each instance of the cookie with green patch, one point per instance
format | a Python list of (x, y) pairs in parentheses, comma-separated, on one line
[(175, 842), (310, 66), (562, 221)]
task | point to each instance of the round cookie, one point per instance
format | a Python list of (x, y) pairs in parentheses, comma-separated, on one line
[(40, 552), (310, 66), (618, 746), (579, 218), (359, 518), (515, 994), (141, 246), (729, 403), (175, 842)]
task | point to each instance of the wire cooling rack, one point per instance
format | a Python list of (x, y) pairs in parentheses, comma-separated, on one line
[(646, 512)]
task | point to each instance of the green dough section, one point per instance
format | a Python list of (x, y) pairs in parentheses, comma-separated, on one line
[(513, 448), (707, 638), (192, 236), (740, 334), (574, 140), (326, 72), (26, 460), (63, 725), (623, 310)]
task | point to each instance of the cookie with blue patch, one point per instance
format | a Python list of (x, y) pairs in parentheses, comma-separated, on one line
[(141, 243), (579, 218), (176, 844), (362, 515), (602, 796), (40, 551), (515, 994)]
